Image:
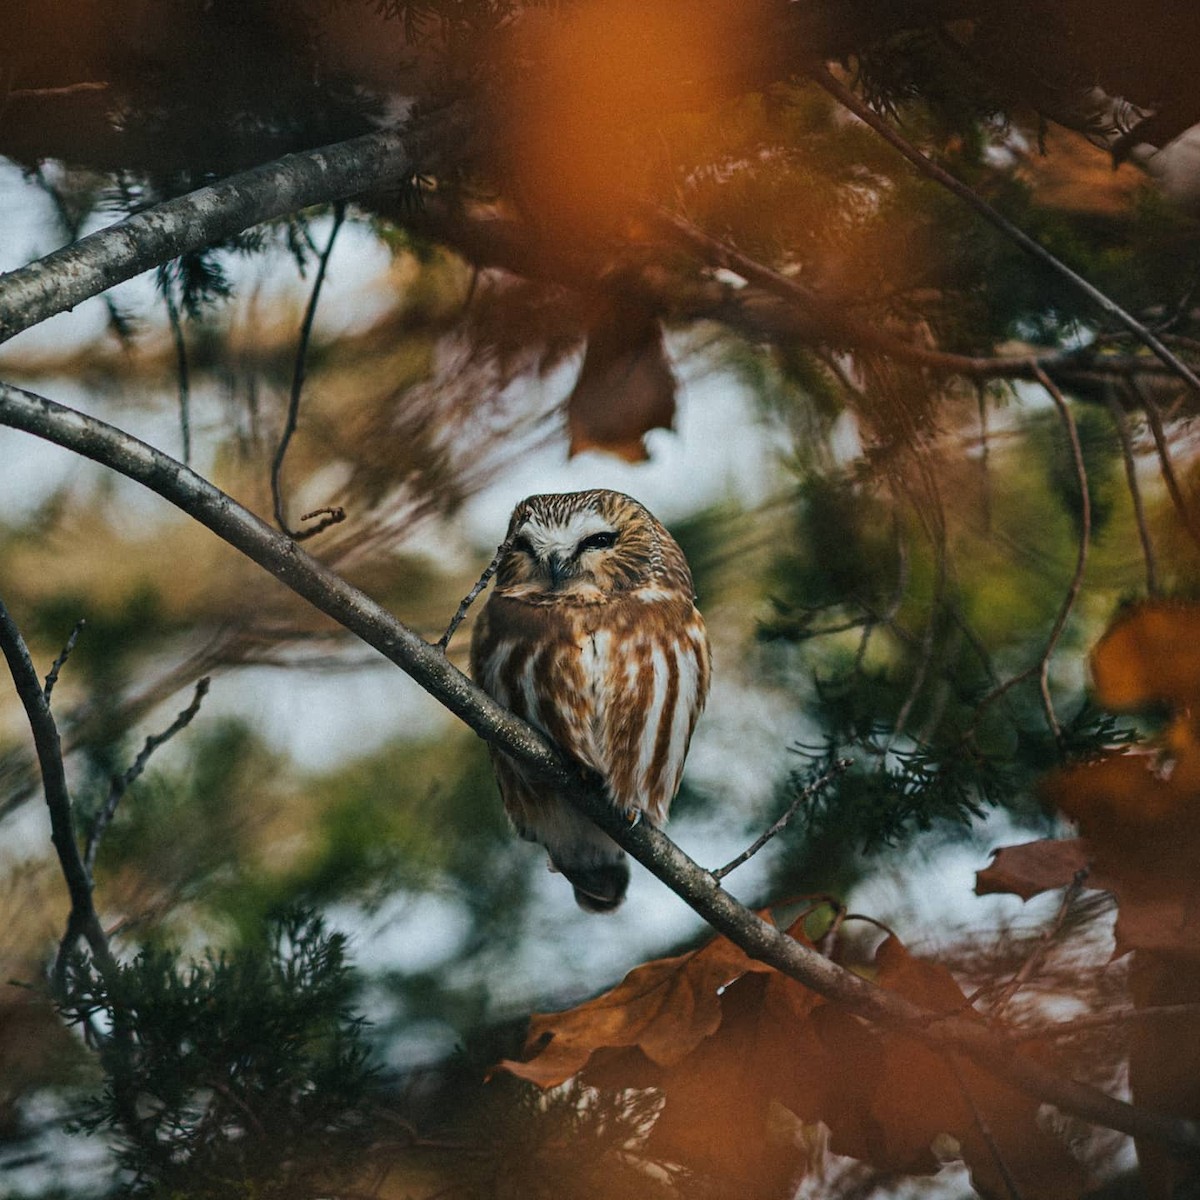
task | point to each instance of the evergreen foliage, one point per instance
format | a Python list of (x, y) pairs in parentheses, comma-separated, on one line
[(244, 1073)]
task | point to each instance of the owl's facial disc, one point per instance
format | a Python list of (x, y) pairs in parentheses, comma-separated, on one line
[(561, 552)]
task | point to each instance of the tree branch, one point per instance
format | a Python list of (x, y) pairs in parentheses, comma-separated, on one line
[(433, 671), (83, 921), (211, 214)]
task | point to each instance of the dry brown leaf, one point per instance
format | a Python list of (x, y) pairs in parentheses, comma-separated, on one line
[(1139, 820), (919, 1095), (665, 1008), (625, 388), (734, 1047), (1031, 868)]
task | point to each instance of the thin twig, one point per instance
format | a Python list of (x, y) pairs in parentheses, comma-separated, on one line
[(1135, 492), (849, 100), (1085, 534), (1010, 1182), (60, 661), (330, 514), (181, 364), (806, 793), (298, 371), (444, 641), (120, 784), (1095, 1021), (1041, 668), (1184, 510), (1044, 942)]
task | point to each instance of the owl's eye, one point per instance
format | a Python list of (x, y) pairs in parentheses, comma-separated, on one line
[(523, 544), (597, 541)]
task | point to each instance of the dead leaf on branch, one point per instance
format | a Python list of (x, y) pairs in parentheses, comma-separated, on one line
[(665, 1008), (733, 1046), (626, 386), (1032, 868), (1138, 811)]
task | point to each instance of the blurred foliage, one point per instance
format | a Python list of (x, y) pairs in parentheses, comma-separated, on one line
[(244, 1074)]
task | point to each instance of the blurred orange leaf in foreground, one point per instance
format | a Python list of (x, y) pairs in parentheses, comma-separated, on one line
[(1139, 824)]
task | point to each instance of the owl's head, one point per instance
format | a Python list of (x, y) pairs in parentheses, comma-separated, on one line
[(587, 545)]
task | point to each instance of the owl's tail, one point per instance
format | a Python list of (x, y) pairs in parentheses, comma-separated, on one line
[(599, 888), (588, 859)]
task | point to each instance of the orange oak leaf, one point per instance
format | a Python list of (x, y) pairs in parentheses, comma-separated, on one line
[(1031, 868), (1138, 812), (665, 1008)]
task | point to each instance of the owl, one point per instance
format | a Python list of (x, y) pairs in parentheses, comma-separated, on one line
[(591, 634)]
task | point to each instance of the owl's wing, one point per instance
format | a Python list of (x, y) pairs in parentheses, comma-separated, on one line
[(647, 671), (529, 659)]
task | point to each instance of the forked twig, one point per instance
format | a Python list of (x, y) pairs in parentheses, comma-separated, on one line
[(330, 514), (83, 921), (806, 793), (121, 783)]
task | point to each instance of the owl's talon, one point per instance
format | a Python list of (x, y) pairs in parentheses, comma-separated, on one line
[(636, 819)]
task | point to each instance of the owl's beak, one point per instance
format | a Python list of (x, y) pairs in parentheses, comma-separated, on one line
[(560, 568)]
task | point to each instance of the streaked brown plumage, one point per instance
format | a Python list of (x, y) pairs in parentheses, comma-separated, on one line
[(592, 636)]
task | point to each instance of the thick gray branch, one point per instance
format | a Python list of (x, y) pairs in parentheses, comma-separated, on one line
[(110, 256), (430, 668)]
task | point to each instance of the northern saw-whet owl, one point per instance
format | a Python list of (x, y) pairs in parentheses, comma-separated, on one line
[(591, 634)]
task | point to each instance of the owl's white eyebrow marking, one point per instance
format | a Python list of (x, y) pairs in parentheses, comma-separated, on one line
[(563, 537)]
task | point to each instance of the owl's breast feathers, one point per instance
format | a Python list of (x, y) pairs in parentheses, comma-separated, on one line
[(617, 685)]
